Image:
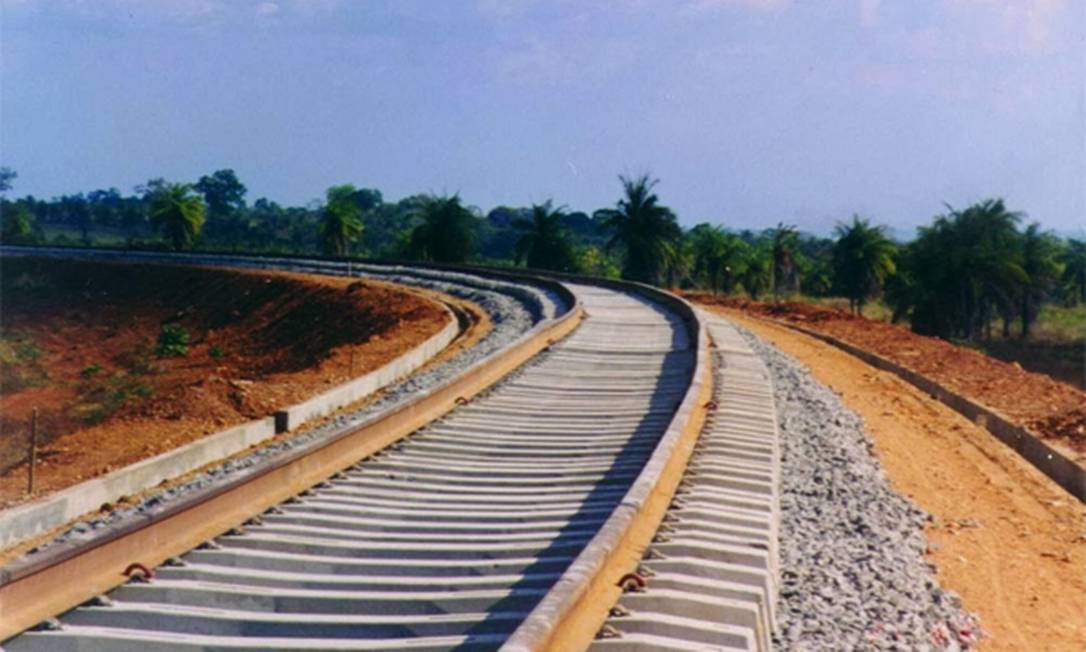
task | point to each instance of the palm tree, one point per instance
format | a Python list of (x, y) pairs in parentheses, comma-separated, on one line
[(1040, 262), (341, 223), (593, 261), (707, 245), (757, 277), (816, 276), (737, 256), (1074, 269), (963, 269), (900, 292), (992, 273), (862, 259), (785, 243), (646, 230), (545, 243), (178, 212), (447, 233), (678, 260), (16, 224), (719, 257)]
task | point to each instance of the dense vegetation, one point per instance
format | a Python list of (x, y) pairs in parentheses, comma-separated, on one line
[(968, 269)]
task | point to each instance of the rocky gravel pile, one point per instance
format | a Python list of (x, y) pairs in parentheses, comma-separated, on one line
[(513, 310), (853, 574)]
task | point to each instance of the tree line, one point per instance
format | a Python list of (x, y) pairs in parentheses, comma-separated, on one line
[(967, 269)]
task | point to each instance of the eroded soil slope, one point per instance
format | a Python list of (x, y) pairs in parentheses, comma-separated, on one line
[(1053, 409), (83, 342)]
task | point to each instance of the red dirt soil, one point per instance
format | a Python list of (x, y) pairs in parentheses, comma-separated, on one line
[(258, 341), (1053, 409)]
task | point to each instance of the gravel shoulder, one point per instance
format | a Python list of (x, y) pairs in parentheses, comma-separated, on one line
[(1001, 535)]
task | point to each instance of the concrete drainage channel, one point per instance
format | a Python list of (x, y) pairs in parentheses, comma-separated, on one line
[(709, 579), (446, 539)]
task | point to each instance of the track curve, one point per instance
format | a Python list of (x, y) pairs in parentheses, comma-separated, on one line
[(444, 540)]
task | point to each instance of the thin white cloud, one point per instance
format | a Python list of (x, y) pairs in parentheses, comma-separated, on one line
[(869, 13), (1032, 25), (504, 9), (756, 5), (191, 13), (315, 8), (267, 9), (185, 11), (534, 61)]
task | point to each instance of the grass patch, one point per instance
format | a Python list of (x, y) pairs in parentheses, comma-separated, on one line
[(90, 371), (876, 310), (1061, 324), (138, 360), (101, 397), (19, 363)]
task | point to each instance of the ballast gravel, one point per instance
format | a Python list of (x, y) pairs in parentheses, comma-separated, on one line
[(853, 574), (513, 310)]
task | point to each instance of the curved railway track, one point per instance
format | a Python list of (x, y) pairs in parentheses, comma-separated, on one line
[(712, 567), (447, 539)]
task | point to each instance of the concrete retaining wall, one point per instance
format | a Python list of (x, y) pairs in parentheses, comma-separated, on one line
[(26, 521), (1061, 469), (359, 388)]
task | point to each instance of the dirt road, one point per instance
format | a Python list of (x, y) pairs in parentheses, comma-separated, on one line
[(1004, 537)]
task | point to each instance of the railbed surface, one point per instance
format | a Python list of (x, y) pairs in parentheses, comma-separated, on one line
[(444, 540)]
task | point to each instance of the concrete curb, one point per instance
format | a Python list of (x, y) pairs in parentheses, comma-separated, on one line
[(1063, 471), (25, 521), (572, 611), (354, 390)]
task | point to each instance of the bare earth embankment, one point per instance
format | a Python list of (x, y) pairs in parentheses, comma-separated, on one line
[(1003, 536), (1053, 409), (81, 342)]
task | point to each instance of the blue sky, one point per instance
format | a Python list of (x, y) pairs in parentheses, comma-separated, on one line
[(749, 111)]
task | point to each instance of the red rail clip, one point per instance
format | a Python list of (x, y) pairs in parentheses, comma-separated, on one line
[(146, 573), (632, 582)]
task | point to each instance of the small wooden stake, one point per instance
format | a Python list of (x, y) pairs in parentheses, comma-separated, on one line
[(33, 451)]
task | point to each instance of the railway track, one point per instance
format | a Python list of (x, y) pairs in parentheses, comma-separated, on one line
[(712, 568), (447, 539)]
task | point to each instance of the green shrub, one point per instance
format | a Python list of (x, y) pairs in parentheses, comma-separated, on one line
[(173, 342), (90, 371), (101, 396), (26, 349), (216, 352)]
